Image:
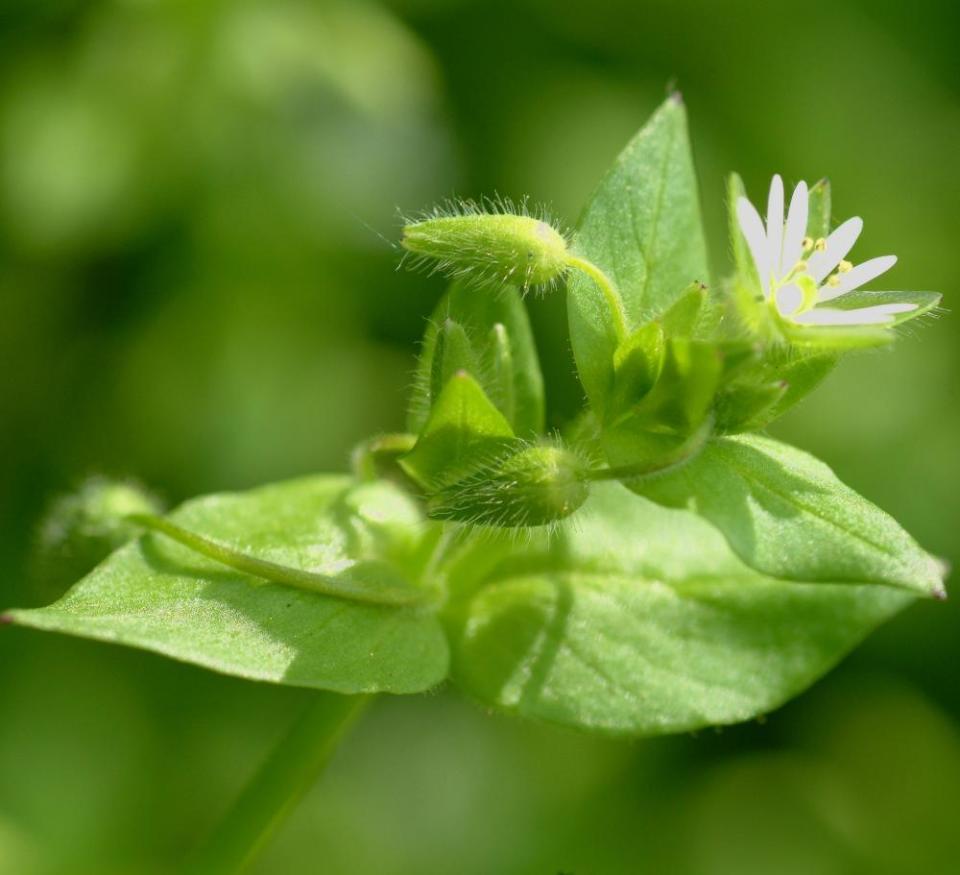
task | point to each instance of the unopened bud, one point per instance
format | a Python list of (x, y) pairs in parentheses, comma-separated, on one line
[(512, 248), (534, 486), (95, 519)]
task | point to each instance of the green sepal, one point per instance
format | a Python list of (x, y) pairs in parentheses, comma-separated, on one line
[(637, 365), (502, 356), (745, 406), (452, 354), (683, 317), (818, 210), (746, 280), (683, 395), (836, 338), (464, 430), (500, 372), (673, 419)]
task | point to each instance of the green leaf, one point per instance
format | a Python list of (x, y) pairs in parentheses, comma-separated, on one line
[(640, 620), (502, 358), (642, 228), (157, 595), (464, 431), (786, 514)]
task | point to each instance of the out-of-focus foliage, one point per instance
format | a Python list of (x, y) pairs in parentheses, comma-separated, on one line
[(191, 201)]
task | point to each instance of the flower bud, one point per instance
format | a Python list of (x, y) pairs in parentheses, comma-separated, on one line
[(95, 519), (533, 486), (511, 248)]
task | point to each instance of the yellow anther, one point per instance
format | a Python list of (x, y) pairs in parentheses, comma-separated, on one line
[(844, 266), (820, 245), (800, 267), (834, 281), (807, 244)]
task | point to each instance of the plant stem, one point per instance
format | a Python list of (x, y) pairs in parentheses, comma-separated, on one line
[(341, 586), (614, 301), (278, 786)]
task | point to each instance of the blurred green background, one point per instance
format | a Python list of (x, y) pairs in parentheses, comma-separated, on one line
[(198, 288)]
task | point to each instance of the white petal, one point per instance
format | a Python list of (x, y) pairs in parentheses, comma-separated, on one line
[(839, 243), (788, 298), (902, 307), (775, 221), (875, 315), (796, 229), (859, 276), (752, 227)]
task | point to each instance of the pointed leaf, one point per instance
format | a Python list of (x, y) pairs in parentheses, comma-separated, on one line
[(640, 620), (478, 308), (642, 228), (156, 595), (453, 353), (464, 431), (786, 514)]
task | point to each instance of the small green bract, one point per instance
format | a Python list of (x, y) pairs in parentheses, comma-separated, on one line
[(654, 566)]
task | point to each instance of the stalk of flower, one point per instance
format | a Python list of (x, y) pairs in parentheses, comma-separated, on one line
[(798, 274)]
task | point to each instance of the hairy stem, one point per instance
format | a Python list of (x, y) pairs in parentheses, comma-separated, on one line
[(341, 586), (614, 301), (278, 785)]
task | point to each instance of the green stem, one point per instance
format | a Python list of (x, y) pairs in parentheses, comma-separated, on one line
[(341, 586), (278, 785), (367, 456), (614, 301)]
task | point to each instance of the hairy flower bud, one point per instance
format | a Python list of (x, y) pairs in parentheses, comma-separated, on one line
[(98, 514), (533, 486), (510, 247)]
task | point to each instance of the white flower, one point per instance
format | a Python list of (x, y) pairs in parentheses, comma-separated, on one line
[(797, 273)]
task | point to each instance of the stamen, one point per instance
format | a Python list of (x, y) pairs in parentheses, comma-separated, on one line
[(820, 245), (844, 266), (833, 280), (800, 267), (807, 245)]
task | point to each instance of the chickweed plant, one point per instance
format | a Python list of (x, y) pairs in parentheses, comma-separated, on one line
[(658, 566)]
